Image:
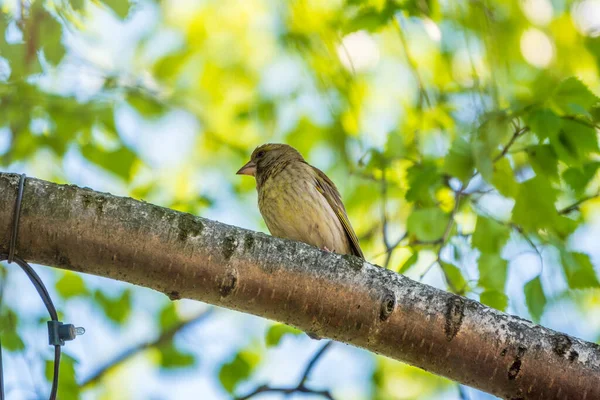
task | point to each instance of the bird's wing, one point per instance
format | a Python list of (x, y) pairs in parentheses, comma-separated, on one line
[(327, 188)]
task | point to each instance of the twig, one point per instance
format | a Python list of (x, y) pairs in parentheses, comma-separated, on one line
[(301, 387), (389, 247), (165, 337), (575, 206), (423, 97), (515, 136)]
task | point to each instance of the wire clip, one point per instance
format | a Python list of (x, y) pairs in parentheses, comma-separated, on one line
[(59, 333)]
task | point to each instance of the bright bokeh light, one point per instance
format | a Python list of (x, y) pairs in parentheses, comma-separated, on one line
[(358, 52), (537, 48), (432, 29), (586, 16), (538, 12)]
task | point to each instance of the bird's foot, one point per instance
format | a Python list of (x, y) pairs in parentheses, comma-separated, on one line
[(326, 249)]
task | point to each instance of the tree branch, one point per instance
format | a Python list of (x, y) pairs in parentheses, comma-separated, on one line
[(334, 296), (164, 338)]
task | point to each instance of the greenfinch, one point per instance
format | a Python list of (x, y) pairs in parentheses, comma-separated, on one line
[(298, 201)]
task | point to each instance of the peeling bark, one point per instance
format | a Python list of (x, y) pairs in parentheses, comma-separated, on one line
[(340, 297)]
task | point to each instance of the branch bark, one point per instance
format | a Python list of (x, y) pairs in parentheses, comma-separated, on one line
[(334, 296)]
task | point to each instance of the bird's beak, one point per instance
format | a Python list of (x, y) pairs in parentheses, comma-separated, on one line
[(248, 169)]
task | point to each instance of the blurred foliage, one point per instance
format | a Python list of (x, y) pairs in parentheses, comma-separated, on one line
[(463, 135)]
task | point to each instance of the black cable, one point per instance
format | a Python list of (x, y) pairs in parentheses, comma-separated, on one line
[(58, 332)]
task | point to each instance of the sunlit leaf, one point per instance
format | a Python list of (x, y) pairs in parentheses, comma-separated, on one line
[(172, 358), (276, 332), (116, 309), (238, 369), (535, 298), (408, 264), (543, 160), (572, 96), (492, 272), (120, 7), (490, 236), (579, 177), (428, 224), (456, 280), (503, 178), (71, 285), (579, 270), (459, 162), (11, 339), (543, 122), (423, 180), (495, 299), (117, 161), (168, 316)]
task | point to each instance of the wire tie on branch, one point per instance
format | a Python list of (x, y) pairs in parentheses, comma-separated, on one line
[(58, 332)]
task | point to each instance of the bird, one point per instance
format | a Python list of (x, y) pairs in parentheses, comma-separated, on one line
[(298, 201)]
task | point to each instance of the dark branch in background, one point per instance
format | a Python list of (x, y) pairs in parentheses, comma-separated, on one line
[(301, 386), (389, 247), (164, 338), (575, 206), (518, 133), (423, 97)]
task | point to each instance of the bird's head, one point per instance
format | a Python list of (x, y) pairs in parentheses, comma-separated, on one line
[(267, 157)]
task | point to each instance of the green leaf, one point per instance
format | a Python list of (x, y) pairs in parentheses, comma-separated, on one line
[(534, 208), (172, 358), (490, 236), (50, 38), (77, 5), (116, 309), (117, 161), (572, 96), (168, 317), (238, 369), (492, 272), (427, 224), (277, 331), (120, 7), (579, 270), (543, 160), (495, 299), (454, 276), (574, 142), (11, 340), (412, 260), (423, 180), (145, 104), (579, 178), (68, 388), (71, 285), (543, 122), (503, 178), (459, 162), (535, 298), (170, 65), (491, 134)]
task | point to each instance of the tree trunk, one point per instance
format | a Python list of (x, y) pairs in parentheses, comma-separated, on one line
[(340, 297)]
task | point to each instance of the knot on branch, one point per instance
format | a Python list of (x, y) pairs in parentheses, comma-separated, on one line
[(455, 312), (228, 283), (388, 304)]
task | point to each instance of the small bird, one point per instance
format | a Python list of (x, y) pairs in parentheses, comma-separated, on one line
[(298, 201)]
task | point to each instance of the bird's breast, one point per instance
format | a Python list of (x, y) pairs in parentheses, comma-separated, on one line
[(293, 208)]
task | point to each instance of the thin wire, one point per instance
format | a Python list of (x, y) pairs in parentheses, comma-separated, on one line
[(37, 283)]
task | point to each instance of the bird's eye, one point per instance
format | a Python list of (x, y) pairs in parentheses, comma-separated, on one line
[(260, 154)]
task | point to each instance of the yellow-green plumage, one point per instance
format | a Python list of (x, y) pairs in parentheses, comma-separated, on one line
[(298, 201)]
